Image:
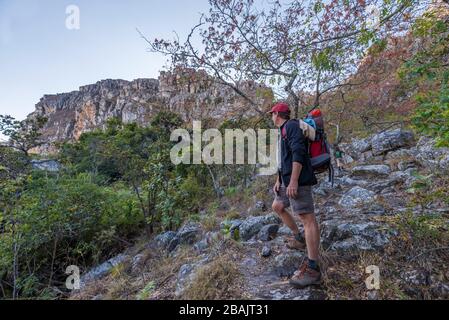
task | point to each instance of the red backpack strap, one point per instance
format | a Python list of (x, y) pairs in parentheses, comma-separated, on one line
[(284, 133)]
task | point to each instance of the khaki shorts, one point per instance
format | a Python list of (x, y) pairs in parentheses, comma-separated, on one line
[(301, 204)]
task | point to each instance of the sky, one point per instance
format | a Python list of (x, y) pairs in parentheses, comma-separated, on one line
[(40, 55)]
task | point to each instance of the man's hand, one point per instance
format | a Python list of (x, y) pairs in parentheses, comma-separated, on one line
[(276, 187), (292, 189)]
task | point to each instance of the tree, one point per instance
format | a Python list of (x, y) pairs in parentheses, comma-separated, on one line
[(301, 47), (23, 135)]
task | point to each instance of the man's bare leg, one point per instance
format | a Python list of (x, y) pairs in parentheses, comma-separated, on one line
[(312, 235), (285, 216)]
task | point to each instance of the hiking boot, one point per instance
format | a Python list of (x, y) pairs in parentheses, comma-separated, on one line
[(294, 244), (305, 276)]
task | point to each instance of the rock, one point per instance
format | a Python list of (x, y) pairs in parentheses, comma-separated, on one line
[(46, 165), (102, 270), (137, 262), (208, 239), (309, 293), (266, 251), (356, 196), (356, 147), (173, 244), (399, 154), (375, 209), (287, 263), (252, 225), (284, 231), (268, 232), (372, 295), (188, 234), (73, 113), (163, 240), (186, 275), (345, 180), (441, 290), (430, 156), (371, 171), (346, 236), (416, 277), (347, 159), (444, 162), (260, 205), (366, 156), (391, 140), (230, 224)]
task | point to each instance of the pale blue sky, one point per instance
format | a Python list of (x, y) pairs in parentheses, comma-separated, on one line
[(39, 55)]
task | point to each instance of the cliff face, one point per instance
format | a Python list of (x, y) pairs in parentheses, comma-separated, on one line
[(191, 94)]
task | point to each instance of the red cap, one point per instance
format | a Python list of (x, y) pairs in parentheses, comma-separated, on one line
[(280, 107)]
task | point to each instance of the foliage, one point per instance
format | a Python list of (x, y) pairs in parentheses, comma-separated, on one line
[(23, 135), (59, 221), (428, 71), (300, 47)]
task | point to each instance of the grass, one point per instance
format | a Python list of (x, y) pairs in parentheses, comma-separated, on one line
[(217, 280), (146, 291)]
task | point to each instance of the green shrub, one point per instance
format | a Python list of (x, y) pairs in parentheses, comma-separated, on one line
[(60, 221)]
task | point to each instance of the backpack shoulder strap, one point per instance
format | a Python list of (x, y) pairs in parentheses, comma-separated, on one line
[(284, 130)]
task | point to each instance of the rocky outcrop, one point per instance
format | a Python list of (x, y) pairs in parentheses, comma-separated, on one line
[(391, 140), (102, 270), (356, 196), (46, 165), (192, 94)]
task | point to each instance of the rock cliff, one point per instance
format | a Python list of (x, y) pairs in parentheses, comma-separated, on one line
[(192, 94)]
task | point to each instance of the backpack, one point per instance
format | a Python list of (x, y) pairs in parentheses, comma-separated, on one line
[(316, 143)]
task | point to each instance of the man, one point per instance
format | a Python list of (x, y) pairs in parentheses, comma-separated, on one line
[(293, 189), (339, 158)]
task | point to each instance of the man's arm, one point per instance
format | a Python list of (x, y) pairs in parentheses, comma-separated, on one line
[(292, 189), (296, 142)]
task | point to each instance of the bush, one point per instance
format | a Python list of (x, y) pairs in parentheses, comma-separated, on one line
[(62, 221)]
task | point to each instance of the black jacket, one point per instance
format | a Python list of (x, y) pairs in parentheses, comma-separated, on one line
[(294, 148)]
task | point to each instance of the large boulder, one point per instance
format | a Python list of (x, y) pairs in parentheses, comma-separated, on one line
[(356, 147), (188, 234), (376, 170), (356, 197), (252, 225), (391, 140), (347, 236)]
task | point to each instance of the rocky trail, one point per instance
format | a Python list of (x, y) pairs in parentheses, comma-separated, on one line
[(379, 174)]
